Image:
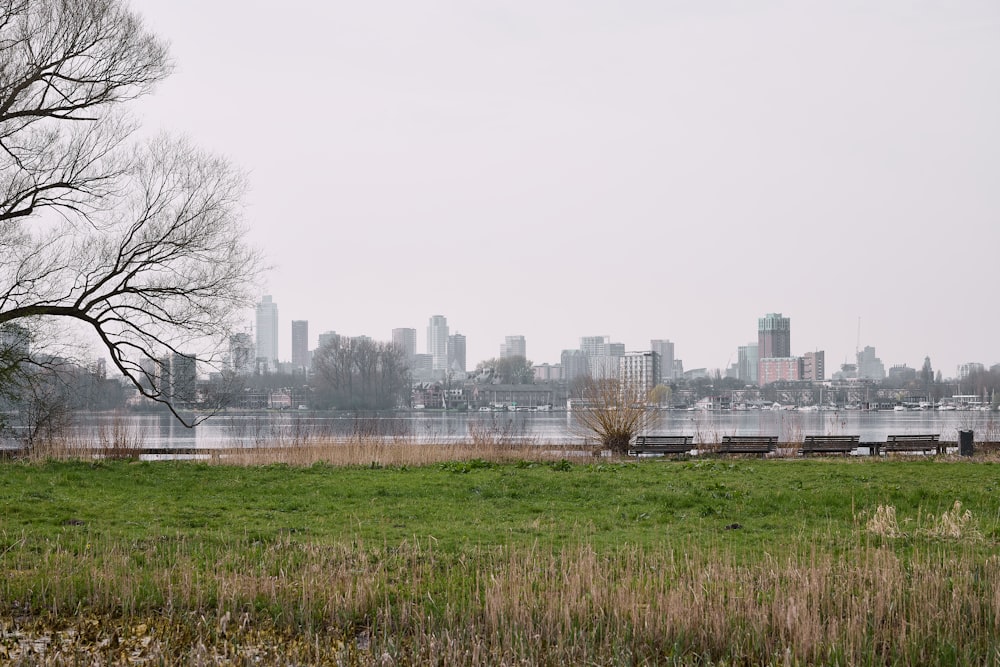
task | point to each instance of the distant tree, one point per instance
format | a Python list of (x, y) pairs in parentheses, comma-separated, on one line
[(508, 370), (660, 394), (360, 374), (140, 242)]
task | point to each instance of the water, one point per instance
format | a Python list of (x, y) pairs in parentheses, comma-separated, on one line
[(270, 429)]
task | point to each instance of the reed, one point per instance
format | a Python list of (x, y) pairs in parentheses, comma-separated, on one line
[(468, 561), (176, 601)]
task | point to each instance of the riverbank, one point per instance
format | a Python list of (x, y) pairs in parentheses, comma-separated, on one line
[(482, 562)]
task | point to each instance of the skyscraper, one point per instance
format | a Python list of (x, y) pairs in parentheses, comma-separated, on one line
[(241, 356), (514, 346), (666, 351), (267, 333), (774, 337), (300, 343), (746, 362), (437, 342), (456, 353), (406, 340)]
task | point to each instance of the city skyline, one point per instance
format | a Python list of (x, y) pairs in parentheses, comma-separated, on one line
[(513, 168), (770, 326)]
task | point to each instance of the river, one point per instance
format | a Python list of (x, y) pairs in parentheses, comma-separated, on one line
[(270, 429)]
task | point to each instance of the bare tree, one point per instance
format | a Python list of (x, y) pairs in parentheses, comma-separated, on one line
[(357, 373), (141, 242), (613, 411)]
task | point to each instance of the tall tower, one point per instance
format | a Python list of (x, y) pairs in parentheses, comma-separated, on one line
[(300, 343), (514, 346), (666, 351), (437, 342), (267, 332), (406, 340), (774, 337), (456, 352)]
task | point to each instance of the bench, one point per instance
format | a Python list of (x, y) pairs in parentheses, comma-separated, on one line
[(829, 444), (661, 444), (747, 444), (912, 443)]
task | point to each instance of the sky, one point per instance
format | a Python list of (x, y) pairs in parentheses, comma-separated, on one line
[(638, 169)]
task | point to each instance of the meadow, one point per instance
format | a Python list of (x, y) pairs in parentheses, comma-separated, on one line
[(502, 559)]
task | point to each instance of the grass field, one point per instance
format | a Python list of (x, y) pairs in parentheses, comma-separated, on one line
[(479, 562)]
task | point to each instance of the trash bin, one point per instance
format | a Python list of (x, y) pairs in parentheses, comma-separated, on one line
[(965, 447)]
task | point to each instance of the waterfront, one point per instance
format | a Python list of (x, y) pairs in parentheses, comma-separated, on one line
[(418, 427)]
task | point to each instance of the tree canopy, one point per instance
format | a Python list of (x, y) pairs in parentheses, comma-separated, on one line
[(140, 241)]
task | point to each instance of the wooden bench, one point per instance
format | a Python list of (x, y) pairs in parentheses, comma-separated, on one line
[(912, 443), (662, 444), (829, 444), (747, 444)]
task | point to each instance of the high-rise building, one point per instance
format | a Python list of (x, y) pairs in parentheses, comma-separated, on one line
[(602, 355), (406, 340), (326, 338), (774, 336), (183, 378), (746, 360), (267, 333), (595, 346), (300, 343), (241, 355), (514, 346), (456, 353), (870, 367), (437, 342), (666, 351), (814, 366), (639, 372), (574, 364)]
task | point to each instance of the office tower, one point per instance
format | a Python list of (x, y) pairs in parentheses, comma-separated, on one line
[(456, 353), (595, 346), (746, 360), (241, 354), (666, 351), (814, 366), (183, 378), (639, 372), (300, 343), (267, 333), (437, 342), (514, 346), (574, 364), (774, 337), (326, 338), (406, 340), (870, 367)]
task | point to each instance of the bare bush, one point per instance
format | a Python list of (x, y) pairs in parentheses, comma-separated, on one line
[(613, 412)]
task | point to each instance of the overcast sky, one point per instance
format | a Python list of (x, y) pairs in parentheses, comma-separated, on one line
[(638, 169)]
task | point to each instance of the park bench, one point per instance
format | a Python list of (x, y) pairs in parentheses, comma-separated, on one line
[(912, 443), (829, 444), (747, 444), (661, 444)]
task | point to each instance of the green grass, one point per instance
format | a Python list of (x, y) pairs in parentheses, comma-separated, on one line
[(480, 503), (610, 562)]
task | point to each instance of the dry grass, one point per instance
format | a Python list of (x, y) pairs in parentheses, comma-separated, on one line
[(359, 604)]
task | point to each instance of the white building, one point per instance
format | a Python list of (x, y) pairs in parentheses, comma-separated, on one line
[(267, 333), (437, 342)]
